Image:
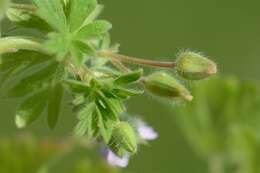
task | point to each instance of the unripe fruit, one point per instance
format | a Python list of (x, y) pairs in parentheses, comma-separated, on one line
[(123, 139), (194, 66), (164, 85)]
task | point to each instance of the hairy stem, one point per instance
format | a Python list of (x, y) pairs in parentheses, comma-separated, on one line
[(13, 44), (138, 61)]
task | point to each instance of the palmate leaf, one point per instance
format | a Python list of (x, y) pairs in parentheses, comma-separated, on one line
[(52, 12), (39, 82), (80, 10), (94, 29), (13, 64), (85, 117), (30, 109), (27, 19)]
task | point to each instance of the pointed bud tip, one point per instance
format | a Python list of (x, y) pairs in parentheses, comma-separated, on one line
[(188, 97), (212, 70)]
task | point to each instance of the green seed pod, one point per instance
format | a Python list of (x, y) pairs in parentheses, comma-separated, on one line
[(164, 85), (123, 139), (194, 66)]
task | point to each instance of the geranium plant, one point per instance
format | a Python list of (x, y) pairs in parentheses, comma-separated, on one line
[(63, 47)]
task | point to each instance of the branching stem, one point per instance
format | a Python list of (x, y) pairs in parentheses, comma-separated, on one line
[(138, 61)]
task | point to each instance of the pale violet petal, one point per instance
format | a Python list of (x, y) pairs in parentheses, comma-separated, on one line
[(114, 160), (146, 132)]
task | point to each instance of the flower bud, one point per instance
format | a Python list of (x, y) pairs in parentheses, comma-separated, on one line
[(164, 85), (123, 139), (194, 66)]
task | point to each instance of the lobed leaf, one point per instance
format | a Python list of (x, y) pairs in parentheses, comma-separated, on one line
[(94, 29), (52, 12), (79, 11), (30, 109), (85, 117), (27, 19)]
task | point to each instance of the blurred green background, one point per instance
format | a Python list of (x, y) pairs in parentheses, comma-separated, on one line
[(226, 30)]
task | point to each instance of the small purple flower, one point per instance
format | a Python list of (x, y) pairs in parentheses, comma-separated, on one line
[(114, 160), (146, 132)]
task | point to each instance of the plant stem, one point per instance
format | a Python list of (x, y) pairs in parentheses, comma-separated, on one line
[(216, 164), (138, 61), (13, 44)]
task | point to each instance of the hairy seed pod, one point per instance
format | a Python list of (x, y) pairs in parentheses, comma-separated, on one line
[(164, 85), (123, 139), (194, 66)]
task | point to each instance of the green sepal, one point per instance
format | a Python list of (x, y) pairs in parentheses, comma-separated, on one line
[(123, 136), (163, 85)]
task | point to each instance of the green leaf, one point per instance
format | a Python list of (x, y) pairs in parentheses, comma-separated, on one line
[(33, 82), (83, 47), (80, 10), (94, 15), (39, 79), (30, 109), (27, 19), (108, 106), (94, 29), (54, 104), (129, 78), (105, 126), (52, 12), (58, 44), (14, 64), (125, 93), (77, 86), (85, 120)]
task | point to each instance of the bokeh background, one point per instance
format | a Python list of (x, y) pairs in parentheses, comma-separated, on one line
[(228, 31)]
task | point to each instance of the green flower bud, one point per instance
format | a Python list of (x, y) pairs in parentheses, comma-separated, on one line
[(194, 66), (123, 139), (164, 85)]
